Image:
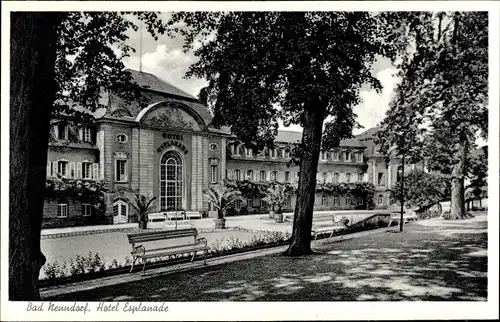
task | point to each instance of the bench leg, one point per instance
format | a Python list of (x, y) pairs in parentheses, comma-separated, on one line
[(194, 254), (144, 266), (133, 262)]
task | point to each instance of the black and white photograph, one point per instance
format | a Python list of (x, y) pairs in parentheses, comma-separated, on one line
[(250, 160)]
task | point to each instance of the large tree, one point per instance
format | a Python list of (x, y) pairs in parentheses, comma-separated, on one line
[(444, 89), (57, 60), (305, 68)]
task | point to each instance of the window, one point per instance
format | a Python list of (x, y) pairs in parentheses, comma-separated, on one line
[(347, 156), (323, 156), (87, 135), (120, 211), (325, 176), (121, 170), (171, 181), (237, 175), (273, 153), (213, 173), (287, 152), (360, 177), (335, 156), (62, 168), (237, 204), (336, 177), (380, 200), (348, 177), (121, 138), (287, 176), (86, 210), (249, 175), (360, 201), (359, 157), (62, 131), (62, 210), (250, 203), (380, 179), (400, 172), (213, 147), (324, 201), (347, 201), (262, 175), (249, 152), (274, 175), (336, 201), (86, 170)]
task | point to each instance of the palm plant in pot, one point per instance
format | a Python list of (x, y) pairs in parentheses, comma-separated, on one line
[(142, 204), (221, 197), (277, 196)]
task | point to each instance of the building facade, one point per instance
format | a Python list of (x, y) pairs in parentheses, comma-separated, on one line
[(166, 148)]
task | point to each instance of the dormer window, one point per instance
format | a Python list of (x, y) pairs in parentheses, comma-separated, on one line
[(62, 131), (87, 135), (359, 157), (347, 156)]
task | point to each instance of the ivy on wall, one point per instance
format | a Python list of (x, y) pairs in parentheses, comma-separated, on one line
[(83, 190)]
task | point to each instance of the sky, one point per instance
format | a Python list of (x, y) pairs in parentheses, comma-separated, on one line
[(165, 59)]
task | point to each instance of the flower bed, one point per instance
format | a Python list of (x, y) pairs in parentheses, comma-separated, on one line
[(93, 266)]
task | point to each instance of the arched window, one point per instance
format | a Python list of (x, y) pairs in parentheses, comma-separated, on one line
[(171, 181), (120, 211), (380, 200)]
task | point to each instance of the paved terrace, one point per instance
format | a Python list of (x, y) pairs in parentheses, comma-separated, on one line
[(430, 260)]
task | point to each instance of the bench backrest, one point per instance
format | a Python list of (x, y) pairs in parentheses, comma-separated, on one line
[(162, 235)]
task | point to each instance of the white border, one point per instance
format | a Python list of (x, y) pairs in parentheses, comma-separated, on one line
[(272, 310)]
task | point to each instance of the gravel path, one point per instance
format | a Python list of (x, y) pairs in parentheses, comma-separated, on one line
[(425, 262)]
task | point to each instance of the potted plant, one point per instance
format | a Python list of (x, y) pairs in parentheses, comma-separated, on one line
[(277, 196), (142, 204), (221, 197)]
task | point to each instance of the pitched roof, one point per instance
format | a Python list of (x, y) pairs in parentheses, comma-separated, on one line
[(294, 136), (153, 82)]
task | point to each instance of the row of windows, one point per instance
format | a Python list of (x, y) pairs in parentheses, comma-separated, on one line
[(284, 152), (288, 176), (62, 210), (261, 175), (61, 132), (341, 201), (78, 170)]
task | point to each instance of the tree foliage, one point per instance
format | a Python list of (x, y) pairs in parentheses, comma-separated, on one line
[(422, 189), (221, 197), (440, 106), (264, 67)]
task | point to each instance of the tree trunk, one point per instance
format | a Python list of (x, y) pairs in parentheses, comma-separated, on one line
[(311, 141), (457, 210), (32, 94)]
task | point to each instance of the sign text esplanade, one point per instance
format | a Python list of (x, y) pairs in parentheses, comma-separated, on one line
[(168, 143)]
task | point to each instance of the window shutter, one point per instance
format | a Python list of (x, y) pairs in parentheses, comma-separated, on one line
[(49, 169), (54, 168), (365, 177), (79, 170), (56, 132), (95, 170), (72, 170), (80, 134)]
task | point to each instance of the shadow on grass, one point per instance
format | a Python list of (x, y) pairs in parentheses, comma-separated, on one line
[(422, 263)]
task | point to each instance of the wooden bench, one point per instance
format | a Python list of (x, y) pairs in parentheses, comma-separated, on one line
[(338, 225), (158, 216), (146, 246), (175, 215), (193, 214)]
